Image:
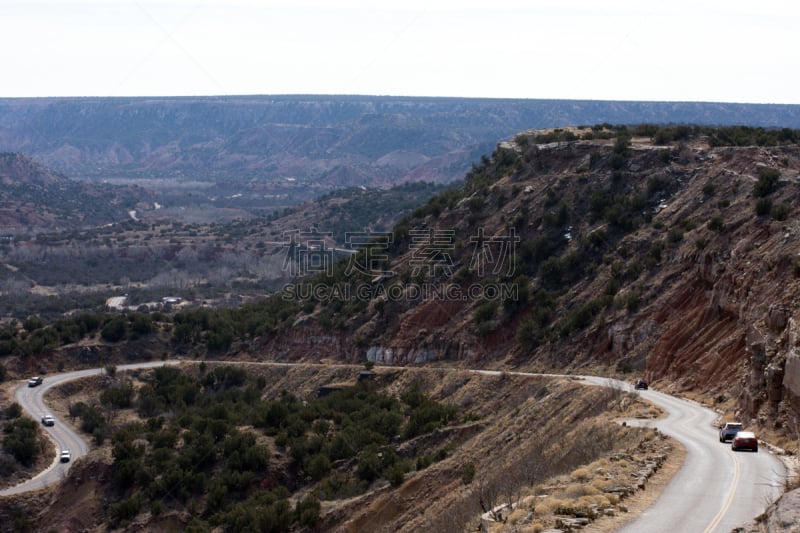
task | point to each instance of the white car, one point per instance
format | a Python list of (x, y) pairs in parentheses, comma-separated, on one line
[(65, 456), (48, 420)]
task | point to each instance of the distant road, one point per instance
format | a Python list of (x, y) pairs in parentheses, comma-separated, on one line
[(714, 491), (31, 399)]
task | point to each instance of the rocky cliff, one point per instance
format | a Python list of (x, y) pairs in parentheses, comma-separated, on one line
[(676, 259)]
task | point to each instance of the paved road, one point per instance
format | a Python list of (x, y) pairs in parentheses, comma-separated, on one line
[(714, 491), (63, 436)]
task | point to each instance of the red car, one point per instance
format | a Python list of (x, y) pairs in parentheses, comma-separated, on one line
[(744, 440)]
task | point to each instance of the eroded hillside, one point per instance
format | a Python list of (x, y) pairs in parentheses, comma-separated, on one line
[(674, 259), (34, 198)]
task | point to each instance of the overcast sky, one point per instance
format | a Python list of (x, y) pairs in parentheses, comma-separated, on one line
[(676, 50)]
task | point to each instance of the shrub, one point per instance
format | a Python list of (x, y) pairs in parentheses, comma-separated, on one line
[(125, 510), (369, 465), (428, 416), (767, 182), (395, 474), (318, 466), (114, 331), (91, 419), (467, 473), (583, 489), (675, 235), (779, 212), (20, 440), (13, 411), (617, 161), (486, 311), (715, 223), (118, 397), (763, 206), (307, 510), (581, 474)]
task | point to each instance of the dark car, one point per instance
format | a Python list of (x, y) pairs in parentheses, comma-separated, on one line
[(34, 381), (744, 440), (728, 430), (640, 385)]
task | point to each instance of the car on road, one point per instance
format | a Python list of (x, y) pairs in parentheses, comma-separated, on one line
[(35, 381), (744, 440), (66, 455), (728, 430), (48, 420), (640, 385)]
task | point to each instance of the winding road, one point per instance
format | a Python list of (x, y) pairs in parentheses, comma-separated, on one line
[(63, 436), (714, 491)]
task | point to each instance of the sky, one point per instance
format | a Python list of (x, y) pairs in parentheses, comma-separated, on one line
[(676, 50)]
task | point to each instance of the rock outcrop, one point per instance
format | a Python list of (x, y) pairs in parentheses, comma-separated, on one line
[(660, 260)]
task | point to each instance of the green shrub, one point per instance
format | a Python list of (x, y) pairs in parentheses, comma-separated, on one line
[(318, 466), (125, 509), (307, 510), (119, 397), (763, 206), (767, 182), (779, 211), (467, 473), (675, 235), (395, 474), (716, 223), (13, 411), (114, 331), (20, 440), (632, 301), (370, 465)]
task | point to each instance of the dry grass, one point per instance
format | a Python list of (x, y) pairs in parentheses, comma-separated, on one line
[(585, 490)]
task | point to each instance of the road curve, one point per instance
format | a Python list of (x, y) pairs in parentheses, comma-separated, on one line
[(714, 491), (31, 399)]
